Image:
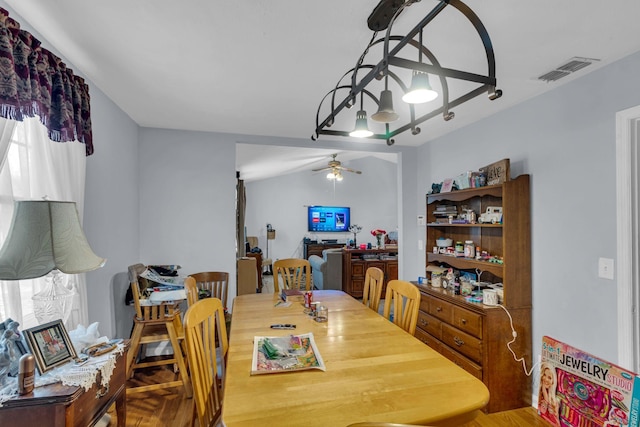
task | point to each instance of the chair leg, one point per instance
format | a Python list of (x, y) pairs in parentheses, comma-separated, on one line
[(135, 347), (177, 351)]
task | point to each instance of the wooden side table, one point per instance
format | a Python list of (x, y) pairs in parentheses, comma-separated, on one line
[(59, 405)]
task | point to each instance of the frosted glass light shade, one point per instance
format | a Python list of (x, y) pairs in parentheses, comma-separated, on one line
[(420, 90), (45, 235), (361, 129)]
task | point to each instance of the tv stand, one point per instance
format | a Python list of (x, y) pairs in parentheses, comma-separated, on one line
[(317, 248)]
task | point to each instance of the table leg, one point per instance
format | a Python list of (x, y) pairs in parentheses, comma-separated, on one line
[(121, 408)]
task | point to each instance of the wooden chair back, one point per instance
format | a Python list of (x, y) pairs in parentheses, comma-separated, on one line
[(405, 298), (191, 289), (216, 282), (204, 326), (373, 281), (295, 273)]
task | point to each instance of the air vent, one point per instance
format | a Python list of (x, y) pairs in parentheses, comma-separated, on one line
[(571, 66)]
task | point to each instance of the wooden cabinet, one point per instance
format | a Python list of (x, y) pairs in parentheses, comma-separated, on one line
[(317, 248), (355, 263), (475, 336), (60, 405)]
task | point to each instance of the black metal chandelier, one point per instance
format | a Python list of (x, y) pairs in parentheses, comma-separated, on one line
[(356, 85)]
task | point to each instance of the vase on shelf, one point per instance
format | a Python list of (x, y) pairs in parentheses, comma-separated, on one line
[(379, 239)]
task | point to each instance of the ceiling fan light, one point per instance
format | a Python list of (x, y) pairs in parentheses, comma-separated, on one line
[(385, 113), (331, 176), (420, 90), (339, 177), (362, 129)]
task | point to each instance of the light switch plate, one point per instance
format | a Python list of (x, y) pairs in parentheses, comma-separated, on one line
[(421, 220), (605, 268)]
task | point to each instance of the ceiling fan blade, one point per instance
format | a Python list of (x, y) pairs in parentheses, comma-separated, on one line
[(321, 169), (351, 170)]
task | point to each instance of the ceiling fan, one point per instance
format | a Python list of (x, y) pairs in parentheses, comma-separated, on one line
[(335, 169)]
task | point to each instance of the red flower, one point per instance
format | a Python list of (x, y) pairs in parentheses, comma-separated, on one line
[(378, 232)]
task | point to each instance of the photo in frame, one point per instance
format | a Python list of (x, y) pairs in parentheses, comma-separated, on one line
[(50, 344), (447, 185)]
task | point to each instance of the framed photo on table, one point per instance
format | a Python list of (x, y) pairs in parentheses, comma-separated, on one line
[(50, 345)]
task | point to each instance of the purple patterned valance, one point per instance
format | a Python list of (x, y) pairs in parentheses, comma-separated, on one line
[(35, 82)]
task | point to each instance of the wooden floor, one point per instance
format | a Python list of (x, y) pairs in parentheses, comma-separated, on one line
[(169, 408)]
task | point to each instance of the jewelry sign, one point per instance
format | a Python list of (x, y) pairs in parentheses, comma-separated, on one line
[(579, 389)]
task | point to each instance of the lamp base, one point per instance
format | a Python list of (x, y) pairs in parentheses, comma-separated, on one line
[(54, 301)]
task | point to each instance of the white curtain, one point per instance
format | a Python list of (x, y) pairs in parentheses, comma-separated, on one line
[(32, 168)]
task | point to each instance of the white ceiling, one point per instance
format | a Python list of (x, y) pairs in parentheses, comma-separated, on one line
[(261, 67)]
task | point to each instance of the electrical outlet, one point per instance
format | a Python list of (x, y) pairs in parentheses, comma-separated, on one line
[(420, 244), (605, 268)]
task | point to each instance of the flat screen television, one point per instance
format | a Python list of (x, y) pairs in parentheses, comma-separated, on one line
[(327, 219)]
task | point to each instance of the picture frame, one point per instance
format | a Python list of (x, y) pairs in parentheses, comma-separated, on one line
[(50, 345), (447, 185), (497, 172)]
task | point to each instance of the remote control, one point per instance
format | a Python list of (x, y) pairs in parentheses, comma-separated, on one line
[(283, 326)]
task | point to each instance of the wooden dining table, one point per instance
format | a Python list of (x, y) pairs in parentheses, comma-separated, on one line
[(375, 371)]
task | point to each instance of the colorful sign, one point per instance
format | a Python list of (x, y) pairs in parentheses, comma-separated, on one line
[(578, 389)]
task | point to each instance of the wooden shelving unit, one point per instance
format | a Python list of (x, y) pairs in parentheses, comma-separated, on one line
[(475, 335)]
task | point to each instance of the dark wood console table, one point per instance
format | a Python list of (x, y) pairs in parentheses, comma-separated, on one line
[(58, 405), (356, 261)]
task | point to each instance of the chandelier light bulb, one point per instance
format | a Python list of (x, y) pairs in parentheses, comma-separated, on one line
[(420, 90), (362, 129)]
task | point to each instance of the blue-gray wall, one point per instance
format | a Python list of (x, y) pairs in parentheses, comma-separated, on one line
[(565, 139)]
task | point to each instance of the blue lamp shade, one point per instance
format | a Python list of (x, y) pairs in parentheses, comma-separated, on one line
[(44, 236)]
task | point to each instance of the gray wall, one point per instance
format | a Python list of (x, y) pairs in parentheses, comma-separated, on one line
[(565, 139), (187, 201), (282, 201)]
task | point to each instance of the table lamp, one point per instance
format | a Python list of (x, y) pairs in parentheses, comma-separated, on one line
[(44, 239)]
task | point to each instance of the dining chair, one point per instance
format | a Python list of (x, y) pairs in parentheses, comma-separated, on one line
[(373, 281), (405, 298), (295, 273), (153, 323), (214, 283), (204, 326), (191, 289)]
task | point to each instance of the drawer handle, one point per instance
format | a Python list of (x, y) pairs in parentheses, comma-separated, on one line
[(438, 308), (464, 321), (458, 341), (101, 394), (423, 322)]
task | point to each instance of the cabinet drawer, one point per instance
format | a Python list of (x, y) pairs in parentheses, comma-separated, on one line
[(441, 309), (357, 286), (429, 324), (466, 344), (467, 321), (428, 340), (89, 406), (424, 303), (461, 361), (357, 268)]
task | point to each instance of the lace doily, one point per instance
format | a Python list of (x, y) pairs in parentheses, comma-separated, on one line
[(71, 374)]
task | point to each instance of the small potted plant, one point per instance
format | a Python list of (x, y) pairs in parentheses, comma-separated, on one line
[(378, 234)]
